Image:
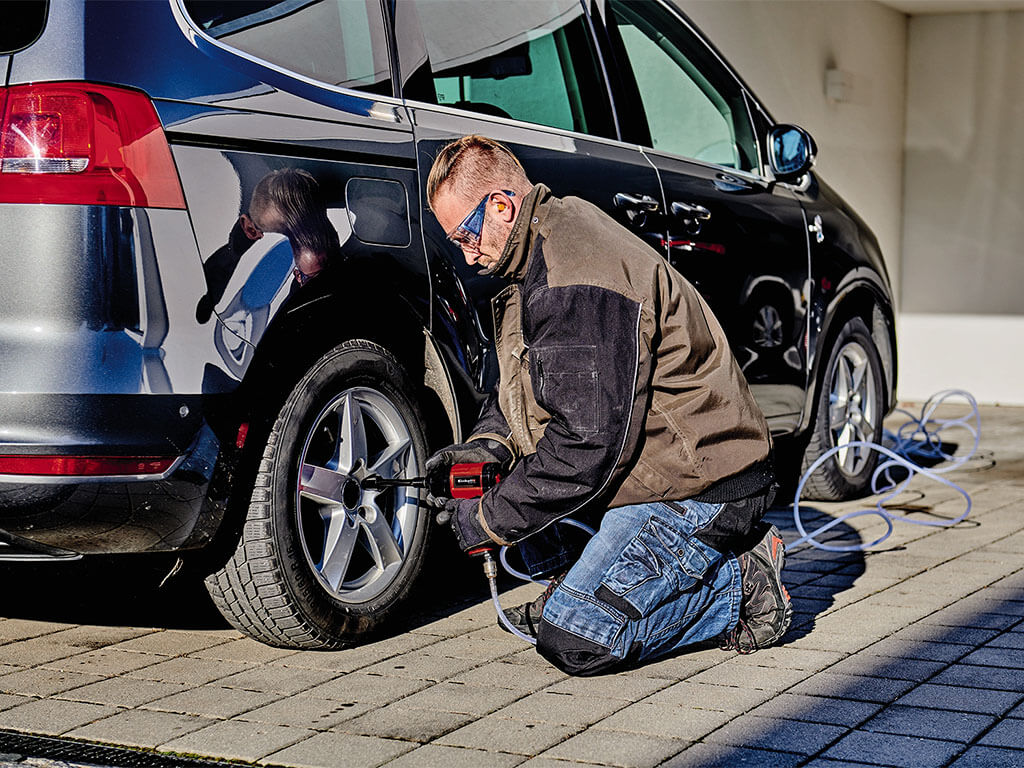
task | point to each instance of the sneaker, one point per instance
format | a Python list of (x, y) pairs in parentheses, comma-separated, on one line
[(766, 610), (526, 617)]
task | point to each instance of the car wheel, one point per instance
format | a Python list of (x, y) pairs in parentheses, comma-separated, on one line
[(323, 562), (849, 410)]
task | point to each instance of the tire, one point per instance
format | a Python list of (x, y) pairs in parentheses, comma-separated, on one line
[(849, 408), (322, 563)]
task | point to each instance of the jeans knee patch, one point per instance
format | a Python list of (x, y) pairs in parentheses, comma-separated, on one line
[(571, 653), (658, 563)]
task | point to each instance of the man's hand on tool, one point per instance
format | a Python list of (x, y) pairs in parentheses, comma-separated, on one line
[(439, 465), (460, 514)]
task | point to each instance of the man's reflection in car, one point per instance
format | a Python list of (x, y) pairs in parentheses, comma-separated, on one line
[(284, 240)]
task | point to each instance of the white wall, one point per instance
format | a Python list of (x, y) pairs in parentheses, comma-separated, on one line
[(782, 48), (963, 246)]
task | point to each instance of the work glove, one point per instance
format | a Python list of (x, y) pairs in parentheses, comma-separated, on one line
[(460, 514), (440, 464)]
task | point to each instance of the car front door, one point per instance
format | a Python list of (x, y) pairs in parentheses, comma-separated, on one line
[(526, 73), (738, 237)]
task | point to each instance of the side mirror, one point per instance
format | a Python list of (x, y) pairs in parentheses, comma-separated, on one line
[(791, 151)]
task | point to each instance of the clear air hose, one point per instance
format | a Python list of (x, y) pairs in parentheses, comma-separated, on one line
[(918, 438)]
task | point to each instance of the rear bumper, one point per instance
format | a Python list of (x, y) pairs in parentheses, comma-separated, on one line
[(72, 515)]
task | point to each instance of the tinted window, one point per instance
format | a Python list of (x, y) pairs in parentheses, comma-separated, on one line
[(692, 108), (340, 42), (22, 22), (530, 60)]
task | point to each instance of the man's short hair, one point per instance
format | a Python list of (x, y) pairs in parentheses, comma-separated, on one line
[(473, 166)]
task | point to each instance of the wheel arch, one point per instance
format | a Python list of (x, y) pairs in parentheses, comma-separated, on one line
[(865, 299)]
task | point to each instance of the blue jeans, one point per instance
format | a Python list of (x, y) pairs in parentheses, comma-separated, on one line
[(643, 587)]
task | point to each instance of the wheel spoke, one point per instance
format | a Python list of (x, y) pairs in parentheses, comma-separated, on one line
[(351, 446), (381, 541), (391, 454), (340, 538), (322, 484)]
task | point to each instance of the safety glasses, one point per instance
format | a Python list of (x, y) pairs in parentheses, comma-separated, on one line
[(467, 233)]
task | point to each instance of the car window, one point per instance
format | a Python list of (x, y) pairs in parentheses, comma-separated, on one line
[(23, 22), (531, 60), (692, 109), (339, 42)]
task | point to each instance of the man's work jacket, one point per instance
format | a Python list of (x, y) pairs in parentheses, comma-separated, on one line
[(617, 385)]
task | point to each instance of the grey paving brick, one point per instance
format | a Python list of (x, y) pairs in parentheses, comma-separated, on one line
[(44, 682), (957, 616), (398, 722), (960, 699), (905, 648), (666, 720), (987, 757), (189, 671), (543, 707), (995, 657), (459, 697), (631, 686), (506, 675), (119, 692), (780, 735), (247, 651), (806, 659), (893, 750), (619, 749), (105, 661), (325, 750), (514, 736), (276, 679), (740, 675), (305, 712), (170, 642), (361, 687), (937, 633), (211, 701), (856, 687), (94, 637), (866, 663), (139, 728), (482, 645), (52, 717), (23, 629), (929, 723), (685, 666), (454, 757), (1018, 712), (817, 709), (7, 701), (729, 756), (237, 740), (721, 698), (973, 676), (37, 650), (1008, 640), (1008, 733), (420, 666)]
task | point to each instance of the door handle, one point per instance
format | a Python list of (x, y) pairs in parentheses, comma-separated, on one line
[(644, 203), (637, 207), (693, 215)]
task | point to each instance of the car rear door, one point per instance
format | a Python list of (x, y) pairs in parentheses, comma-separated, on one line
[(528, 74), (737, 236)]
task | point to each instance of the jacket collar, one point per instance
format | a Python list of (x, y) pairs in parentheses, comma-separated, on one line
[(514, 257)]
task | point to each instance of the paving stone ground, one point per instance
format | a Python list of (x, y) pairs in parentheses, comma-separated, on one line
[(911, 654)]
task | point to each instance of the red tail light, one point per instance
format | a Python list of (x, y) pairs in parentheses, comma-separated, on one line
[(85, 465), (86, 144)]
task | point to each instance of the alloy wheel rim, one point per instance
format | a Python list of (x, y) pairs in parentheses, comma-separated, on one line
[(852, 406), (354, 539)]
